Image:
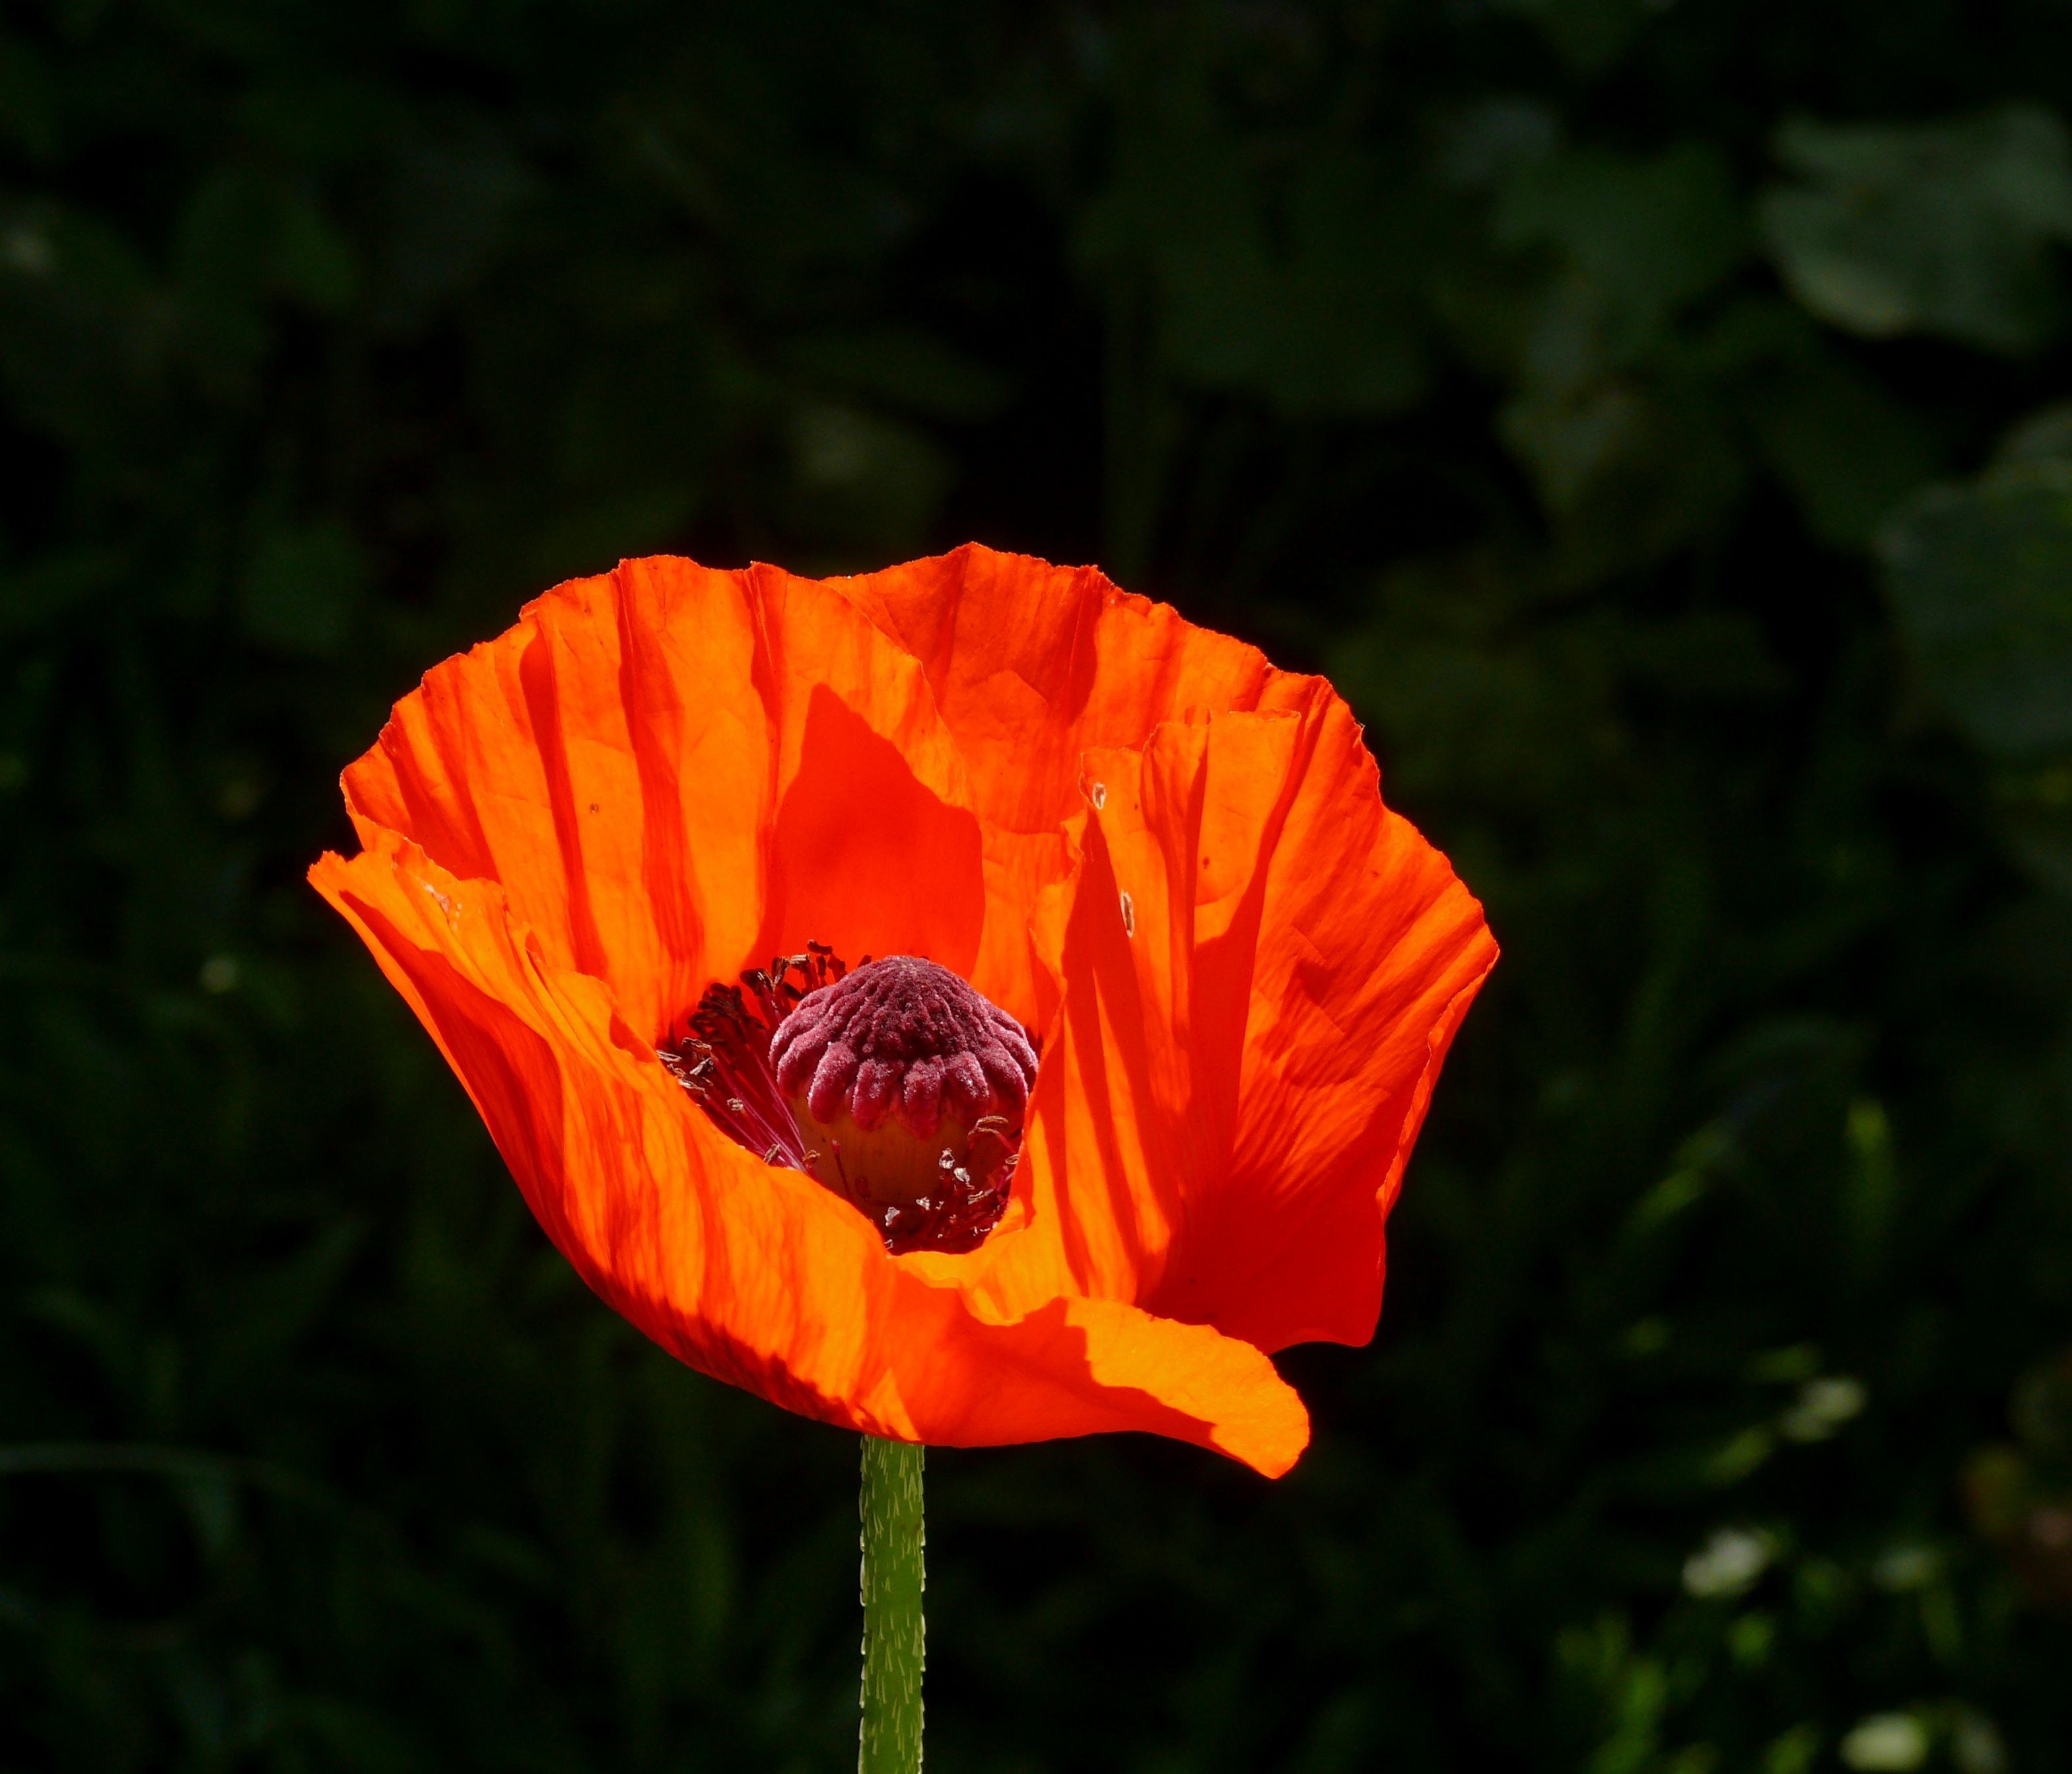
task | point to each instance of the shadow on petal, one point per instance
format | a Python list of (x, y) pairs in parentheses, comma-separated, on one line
[(864, 856)]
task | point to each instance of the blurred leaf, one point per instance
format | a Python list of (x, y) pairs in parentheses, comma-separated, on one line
[(451, 194), (28, 110), (80, 341), (1631, 471), (1846, 447), (1293, 284), (1322, 325), (1941, 227), (2042, 437), (905, 368), (863, 478), (624, 524), (1483, 143), (1980, 578), (222, 258), (1793, 1751), (1591, 35), (311, 259), (1615, 418), (1641, 236), (56, 586), (301, 587)]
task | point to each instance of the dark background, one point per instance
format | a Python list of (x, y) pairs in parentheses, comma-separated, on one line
[(1644, 413)]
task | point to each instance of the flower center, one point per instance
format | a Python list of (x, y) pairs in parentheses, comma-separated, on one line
[(897, 1085), (891, 1073)]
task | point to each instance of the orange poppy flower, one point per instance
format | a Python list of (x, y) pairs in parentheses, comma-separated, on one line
[(1156, 859)]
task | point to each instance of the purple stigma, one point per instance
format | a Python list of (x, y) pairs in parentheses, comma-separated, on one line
[(898, 1086), (905, 1039)]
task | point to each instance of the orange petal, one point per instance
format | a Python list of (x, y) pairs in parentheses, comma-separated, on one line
[(1032, 664), (1263, 969), (674, 772), (754, 1274)]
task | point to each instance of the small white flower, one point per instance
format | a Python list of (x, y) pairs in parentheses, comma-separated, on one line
[(1892, 1741), (1905, 1566), (1823, 1406), (1727, 1563)]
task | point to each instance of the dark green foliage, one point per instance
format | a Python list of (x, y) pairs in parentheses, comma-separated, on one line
[(1643, 412)]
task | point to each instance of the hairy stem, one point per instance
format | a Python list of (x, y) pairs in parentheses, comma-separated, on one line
[(895, 1634)]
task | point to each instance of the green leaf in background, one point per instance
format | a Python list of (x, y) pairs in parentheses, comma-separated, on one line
[(1294, 283), (454, 184), (1943, 228), (1980, 579), (1640, 236), (1323, 323), (301, 587), (1590, 34), (1847, 447), (1620, 429), (56, 586), (862, 481), (904, 367), (2042, 437)]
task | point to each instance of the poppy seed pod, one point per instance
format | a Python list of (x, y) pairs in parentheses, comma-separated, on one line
[(888, 1070)]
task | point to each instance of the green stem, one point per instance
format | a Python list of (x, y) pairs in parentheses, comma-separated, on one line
[(895, 1634)]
